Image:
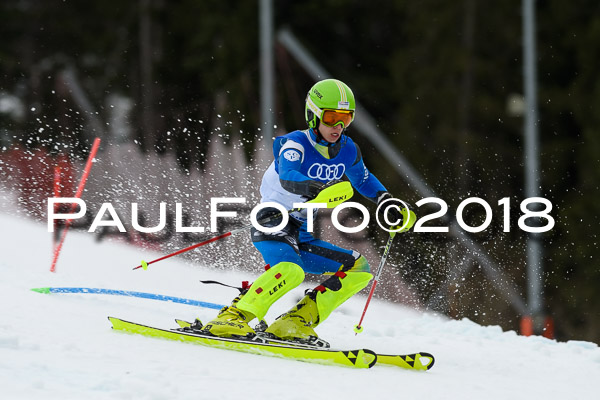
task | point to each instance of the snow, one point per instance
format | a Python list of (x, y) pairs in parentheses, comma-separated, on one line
[(61, 346)]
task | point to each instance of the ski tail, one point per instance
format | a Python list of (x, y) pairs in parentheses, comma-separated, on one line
[(182, 323)]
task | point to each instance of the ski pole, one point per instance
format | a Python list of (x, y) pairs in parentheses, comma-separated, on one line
[(333, 196), (358, 328), (145, 264)]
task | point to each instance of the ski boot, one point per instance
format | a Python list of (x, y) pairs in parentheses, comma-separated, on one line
[(231, 322), (297, 325), (255, 301)]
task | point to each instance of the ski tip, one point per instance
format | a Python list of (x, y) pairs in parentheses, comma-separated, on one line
[(44, 290), (427, 356)]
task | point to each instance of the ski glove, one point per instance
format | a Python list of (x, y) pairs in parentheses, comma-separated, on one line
[(397, 214)]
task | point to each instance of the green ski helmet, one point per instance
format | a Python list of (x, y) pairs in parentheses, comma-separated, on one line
[(330, 101)]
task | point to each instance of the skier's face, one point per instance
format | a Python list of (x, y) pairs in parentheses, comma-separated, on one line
[(330, 133)]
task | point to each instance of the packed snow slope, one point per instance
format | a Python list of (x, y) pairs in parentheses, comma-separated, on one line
[(61, 346)]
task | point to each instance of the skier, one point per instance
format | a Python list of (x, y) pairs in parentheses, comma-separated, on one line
[(305, 162)]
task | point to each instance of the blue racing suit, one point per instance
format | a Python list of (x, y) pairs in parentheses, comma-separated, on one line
[(302, 165)]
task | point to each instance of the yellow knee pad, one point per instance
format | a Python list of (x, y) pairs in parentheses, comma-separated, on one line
[(331, 297), (270, 287)]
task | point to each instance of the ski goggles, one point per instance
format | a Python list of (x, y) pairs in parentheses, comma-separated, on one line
[(332, 118)]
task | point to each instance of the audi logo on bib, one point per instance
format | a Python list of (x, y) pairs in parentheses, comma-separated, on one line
[(326, 172)]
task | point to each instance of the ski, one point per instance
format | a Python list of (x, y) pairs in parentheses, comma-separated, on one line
[(418, 361), (261, 336), (360, 358)]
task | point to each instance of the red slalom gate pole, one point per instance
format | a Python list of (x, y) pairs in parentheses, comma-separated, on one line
[(57, 191), (86, 173)]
